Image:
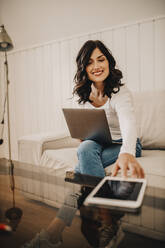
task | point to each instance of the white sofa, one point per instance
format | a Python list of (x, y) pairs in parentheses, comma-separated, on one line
[(44, 159)]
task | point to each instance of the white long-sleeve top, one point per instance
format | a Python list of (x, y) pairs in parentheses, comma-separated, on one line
[(121, 119)]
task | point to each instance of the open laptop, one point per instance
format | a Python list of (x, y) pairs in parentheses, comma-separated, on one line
[(88, 124)]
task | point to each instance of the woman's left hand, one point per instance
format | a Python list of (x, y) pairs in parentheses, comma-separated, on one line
[(125, 162)]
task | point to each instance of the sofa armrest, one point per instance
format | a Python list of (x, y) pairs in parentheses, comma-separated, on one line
[(31, 147)]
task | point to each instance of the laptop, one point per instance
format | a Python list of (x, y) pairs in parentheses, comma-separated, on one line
[(88, 124)]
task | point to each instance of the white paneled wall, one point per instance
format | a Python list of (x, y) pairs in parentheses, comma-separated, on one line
[(42, 77)]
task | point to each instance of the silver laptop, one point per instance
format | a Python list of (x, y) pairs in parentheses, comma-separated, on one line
[(88, 124)]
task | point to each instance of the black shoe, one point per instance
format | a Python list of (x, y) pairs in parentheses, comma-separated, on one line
[(110, 235)]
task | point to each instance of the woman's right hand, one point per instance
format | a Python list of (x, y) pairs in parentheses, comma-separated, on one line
[(96, 96)]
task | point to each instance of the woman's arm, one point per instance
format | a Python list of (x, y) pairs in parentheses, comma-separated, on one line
[(123, 104)]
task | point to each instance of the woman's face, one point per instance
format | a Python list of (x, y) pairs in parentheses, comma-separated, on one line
[(98, 67)]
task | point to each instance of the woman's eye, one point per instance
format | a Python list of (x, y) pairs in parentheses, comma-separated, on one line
[(101, 60)]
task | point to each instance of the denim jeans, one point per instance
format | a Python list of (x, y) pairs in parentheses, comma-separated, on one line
[(93, 157)]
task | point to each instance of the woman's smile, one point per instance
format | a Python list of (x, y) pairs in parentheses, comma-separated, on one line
[(98, 73)]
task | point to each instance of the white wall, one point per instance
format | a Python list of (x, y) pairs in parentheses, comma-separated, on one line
[(32, 22), (42, 76), (38, 89)]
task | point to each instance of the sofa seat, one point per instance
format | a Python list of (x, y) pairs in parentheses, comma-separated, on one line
[(153, 162)]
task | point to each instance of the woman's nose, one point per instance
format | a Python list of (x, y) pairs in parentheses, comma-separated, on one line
[(95, 65)]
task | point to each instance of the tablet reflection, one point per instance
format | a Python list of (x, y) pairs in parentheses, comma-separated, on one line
[(121, 190)]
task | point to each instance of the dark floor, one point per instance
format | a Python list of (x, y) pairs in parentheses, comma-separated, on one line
[(136, 241), (37, 216)]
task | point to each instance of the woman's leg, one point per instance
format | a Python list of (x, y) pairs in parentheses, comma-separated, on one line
[(110, 154), (91, 162), (89, 156), (51, 237), (63, 217)]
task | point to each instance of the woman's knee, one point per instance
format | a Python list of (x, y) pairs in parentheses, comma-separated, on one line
[(87, 147)]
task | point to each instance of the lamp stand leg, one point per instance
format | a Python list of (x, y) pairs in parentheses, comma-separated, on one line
[(13, 214)]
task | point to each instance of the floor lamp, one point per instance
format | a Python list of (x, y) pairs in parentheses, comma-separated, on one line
[(13, 214)]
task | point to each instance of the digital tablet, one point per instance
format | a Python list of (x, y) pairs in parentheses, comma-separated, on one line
[(124, 194)]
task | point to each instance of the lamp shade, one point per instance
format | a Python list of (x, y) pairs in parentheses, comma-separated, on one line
[(5, 41)]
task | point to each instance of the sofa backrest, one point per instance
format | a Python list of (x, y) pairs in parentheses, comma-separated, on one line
[(150, 115)]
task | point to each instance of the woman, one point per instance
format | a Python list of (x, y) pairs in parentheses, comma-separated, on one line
[(98, 85)]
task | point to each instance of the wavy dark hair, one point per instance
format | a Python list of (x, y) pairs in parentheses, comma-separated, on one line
[(82, 88)]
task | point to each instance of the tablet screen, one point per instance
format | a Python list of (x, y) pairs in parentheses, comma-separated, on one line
[(122, 190)]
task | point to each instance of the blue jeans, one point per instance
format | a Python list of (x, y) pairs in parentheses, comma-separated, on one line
[(93, 157)]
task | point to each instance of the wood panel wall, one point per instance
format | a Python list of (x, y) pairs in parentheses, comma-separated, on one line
[(41, 77)]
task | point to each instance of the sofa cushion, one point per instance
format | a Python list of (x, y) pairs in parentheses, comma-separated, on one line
[(58, 159), (150, 114), (153, 162)]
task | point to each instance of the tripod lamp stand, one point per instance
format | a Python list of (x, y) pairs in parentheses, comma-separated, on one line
[(13, 214)]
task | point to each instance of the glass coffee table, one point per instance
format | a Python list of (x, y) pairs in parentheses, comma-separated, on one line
[(38, 215)]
